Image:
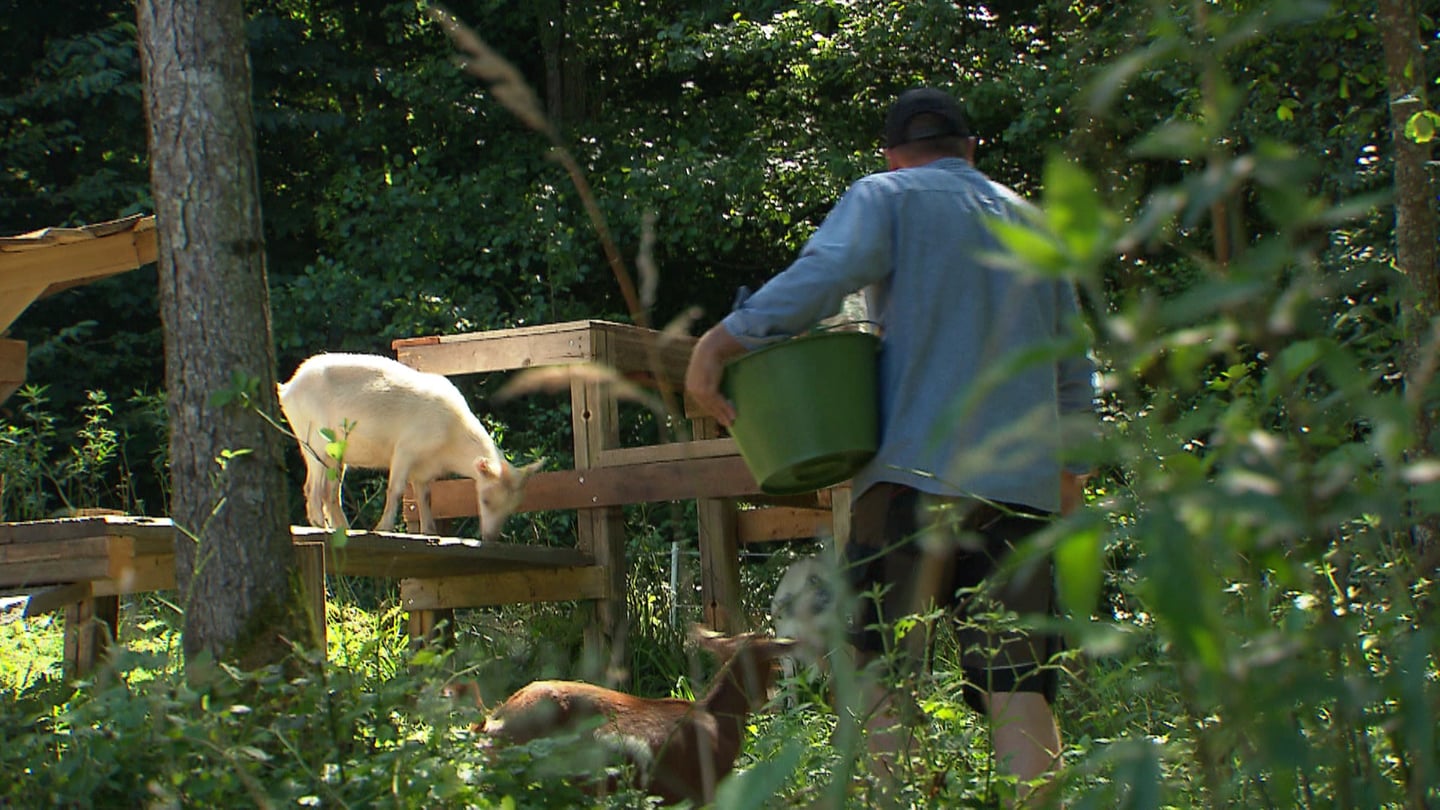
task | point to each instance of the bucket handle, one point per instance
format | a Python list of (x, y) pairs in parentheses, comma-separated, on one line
[(743, 293)]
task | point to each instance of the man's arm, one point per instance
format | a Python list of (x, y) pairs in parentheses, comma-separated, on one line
[(707, 369)]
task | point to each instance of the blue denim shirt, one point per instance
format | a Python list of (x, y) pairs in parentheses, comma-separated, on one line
[(963, 412)]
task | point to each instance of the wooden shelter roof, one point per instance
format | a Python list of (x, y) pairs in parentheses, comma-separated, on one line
[(44, 262)]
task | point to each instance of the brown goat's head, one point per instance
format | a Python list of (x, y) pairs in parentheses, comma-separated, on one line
[(749, 659)]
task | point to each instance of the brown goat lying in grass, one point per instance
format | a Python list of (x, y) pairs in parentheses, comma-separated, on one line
[(679, 749)]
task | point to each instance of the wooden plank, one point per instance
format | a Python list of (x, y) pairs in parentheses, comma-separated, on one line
[(634, 349), (782, 523), (518, 333), (53, 572), (636, 352), (500, 350), (15, 301), (39, 531), (145, 574), (54, 529), (12, 366), (56, 598), (57, 263), (396, 555), (74, 548), (504, 588), (671, 451), (724, 477)]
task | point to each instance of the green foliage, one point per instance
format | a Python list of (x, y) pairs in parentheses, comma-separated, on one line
[(41, 476)]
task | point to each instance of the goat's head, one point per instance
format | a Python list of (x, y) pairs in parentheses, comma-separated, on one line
[(748, 657), (499, 488), (807, 608)]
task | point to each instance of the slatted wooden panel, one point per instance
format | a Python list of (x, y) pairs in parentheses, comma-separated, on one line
[(130, 555)]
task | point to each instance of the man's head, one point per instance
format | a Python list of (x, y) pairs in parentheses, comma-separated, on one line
[(926, 124)]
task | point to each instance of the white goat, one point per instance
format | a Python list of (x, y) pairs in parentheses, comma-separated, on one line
[(391, 417)]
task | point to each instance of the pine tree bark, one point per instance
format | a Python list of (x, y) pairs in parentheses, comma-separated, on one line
[(1415, 233), (234, 563)]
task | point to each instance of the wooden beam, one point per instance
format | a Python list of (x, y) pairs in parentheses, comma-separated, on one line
[(719, 541), (680, 480), (429, 628), (34, 531), (56, 598), (139, 574), (505, 588), (82, 259), (671, 451), (310, 565), (499, 350), (781, 523), (629, 349), (55, 562), (90, 627), (394, 555), (13, 354)]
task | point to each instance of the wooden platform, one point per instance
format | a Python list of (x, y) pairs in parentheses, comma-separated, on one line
[(82, 565)]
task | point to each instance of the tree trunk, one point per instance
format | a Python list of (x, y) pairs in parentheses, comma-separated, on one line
[(1415, 229), (234, 563), (567, 82)]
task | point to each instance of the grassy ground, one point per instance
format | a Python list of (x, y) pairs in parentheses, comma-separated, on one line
[(380, 709)]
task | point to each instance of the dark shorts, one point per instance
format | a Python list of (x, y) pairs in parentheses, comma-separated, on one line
[(929, 552)]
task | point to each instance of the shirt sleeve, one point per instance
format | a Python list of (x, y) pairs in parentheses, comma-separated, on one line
[(1076, 378), (849, 251)]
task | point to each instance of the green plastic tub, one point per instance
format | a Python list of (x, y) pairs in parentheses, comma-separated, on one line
[(806, 410)]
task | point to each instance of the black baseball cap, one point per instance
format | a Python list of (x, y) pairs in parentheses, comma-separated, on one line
[(920, 101)]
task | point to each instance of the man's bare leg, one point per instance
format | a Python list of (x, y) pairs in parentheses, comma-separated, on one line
[(1026, 739)]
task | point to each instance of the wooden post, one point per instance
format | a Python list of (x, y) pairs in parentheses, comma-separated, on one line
[(841, 500), (595, 417), (310, 567), (719, 553), (428, 627), (90, 627)]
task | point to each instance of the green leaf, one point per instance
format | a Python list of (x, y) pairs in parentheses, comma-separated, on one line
[(756, 786), (1079, 568), (1422, 125)]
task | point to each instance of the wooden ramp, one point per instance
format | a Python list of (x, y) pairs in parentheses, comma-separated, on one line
[(82, 565)]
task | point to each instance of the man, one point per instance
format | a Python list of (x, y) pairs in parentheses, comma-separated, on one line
[(969, 462)]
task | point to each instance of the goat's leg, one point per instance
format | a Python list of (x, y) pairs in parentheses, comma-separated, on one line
[(331, 496), (422, 505), (316, 479), (394, 489), (314, 508)]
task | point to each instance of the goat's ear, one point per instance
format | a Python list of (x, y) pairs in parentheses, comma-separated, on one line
[(779, 646), (702, 635), (464, 692), (531, 468), (489, 468)]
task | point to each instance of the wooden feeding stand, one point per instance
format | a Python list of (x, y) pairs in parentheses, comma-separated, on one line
[(607, 476), (83, 565)]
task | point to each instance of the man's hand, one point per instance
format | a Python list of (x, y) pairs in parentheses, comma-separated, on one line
[(707, 368)]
